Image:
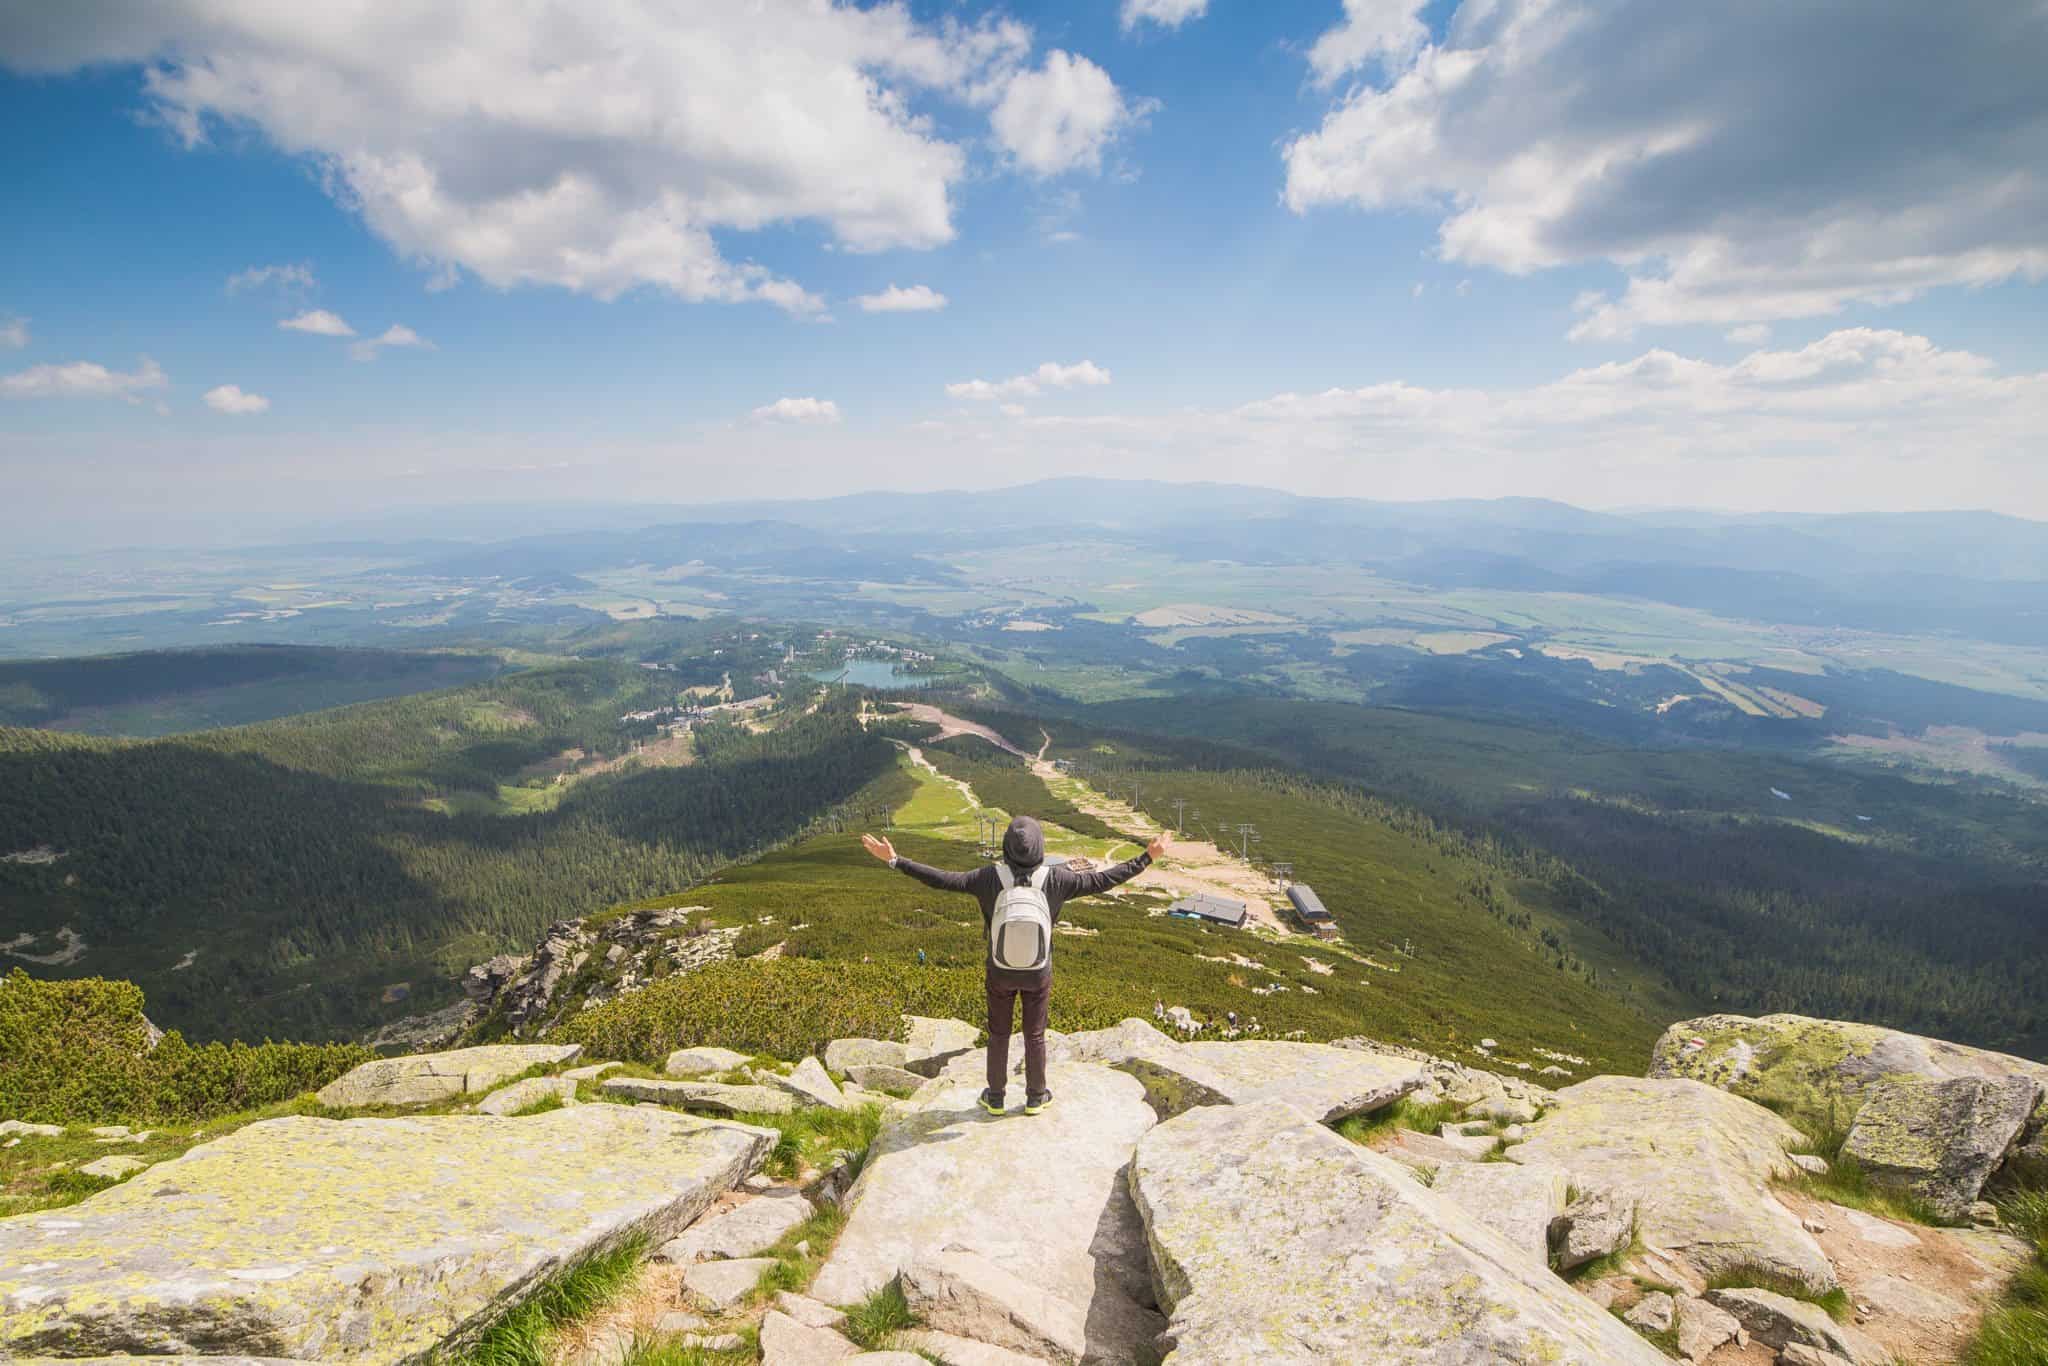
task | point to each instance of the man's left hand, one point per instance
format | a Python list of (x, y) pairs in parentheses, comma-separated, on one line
[(1157, 848)]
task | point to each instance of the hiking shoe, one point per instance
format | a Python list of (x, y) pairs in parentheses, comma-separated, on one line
[(1036, 1104), (992, 1102)]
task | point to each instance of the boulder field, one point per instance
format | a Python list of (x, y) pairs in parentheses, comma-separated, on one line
[(1181, 1203)]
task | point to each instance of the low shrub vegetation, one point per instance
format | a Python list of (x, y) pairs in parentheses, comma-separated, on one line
[(77, 1052)]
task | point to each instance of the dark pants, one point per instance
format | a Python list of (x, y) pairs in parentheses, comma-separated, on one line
[(1037, 1001)]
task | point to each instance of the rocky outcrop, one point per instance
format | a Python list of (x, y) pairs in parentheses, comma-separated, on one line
[(702, 1062), (623, 953), (1632, 1138), (843, 1055), (1940, 1140), (810, 1083), (931, 1043), (1779, 1321), (364, 1241), (1043, 1201), (1818, 1070), (1277, 1241), (510, 1100), (423, 1078), (1519, 1203)]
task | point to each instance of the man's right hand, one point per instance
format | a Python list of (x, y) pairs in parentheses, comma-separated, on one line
[(881, 849)]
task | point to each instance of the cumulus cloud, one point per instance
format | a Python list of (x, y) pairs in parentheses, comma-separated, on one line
[(1372, 31), (13, 333), (1740, 165), (233, 400), (1165, 13), (1061, 116), (818, 412), (915, 299), (1050, 375), (601, 145), (398, 334), (319, 322), (286, 279), (83, 379)]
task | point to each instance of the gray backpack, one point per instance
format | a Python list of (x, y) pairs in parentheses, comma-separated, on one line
[(1020, 931)]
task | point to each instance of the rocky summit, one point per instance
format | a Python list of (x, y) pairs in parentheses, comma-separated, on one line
[(1197, 1204), (368, 1240)]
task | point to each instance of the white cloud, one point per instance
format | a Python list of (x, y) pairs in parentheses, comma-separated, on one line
[(809, 411), (398, 334), (13, 333), (1165, 13), (1050, 375), (1750, 334), (1060, 117), (83, 379), (286, 279), (595, 145), (319, 322), (1739, 165), (234, 401), (915, 299), (1371, 31)]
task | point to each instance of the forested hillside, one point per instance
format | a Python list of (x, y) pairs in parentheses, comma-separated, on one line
[(1747, 882), (310, 877), (164, 692)]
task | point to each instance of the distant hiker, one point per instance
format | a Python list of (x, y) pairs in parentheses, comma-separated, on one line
[(920, 957), (1021, 897), (1159, 1010)]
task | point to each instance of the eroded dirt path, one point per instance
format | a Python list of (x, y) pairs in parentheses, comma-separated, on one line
[(1191, 866)]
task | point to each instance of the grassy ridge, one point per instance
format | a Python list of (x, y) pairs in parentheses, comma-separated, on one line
[(851, 930)]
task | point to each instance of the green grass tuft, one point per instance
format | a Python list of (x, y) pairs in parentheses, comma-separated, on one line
[(539, 1107), (521, 1337), (1424, 1117), (880, 1316), (2015, 1332)]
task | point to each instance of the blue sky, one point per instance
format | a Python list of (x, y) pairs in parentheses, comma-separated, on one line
[(1620, 254)]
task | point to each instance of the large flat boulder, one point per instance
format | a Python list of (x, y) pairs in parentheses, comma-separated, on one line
[(363, 1241), (1328, 1082), (703, 1095), (1278, 1241), (1325, 1083), (1940, 1140), (844, 1054), (1698, 1164), (424, 1078), (1042, 1200), (1818, 1071), (510, 1100), (742, 1231)]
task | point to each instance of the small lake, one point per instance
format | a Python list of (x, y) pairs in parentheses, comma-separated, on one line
[(873, 673)]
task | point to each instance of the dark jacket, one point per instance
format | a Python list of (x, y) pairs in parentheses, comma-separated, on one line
[(1061, 887)]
